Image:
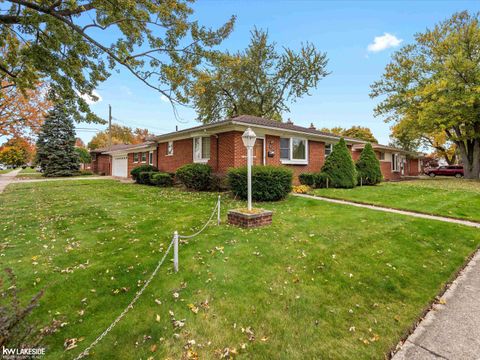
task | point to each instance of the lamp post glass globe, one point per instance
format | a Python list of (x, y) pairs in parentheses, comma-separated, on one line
[(249, 139)]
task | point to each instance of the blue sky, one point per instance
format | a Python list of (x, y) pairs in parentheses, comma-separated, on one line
[(343, 30)]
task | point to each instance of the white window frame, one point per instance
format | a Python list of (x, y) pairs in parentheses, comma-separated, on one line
[(150, 158), (381, 156), (290, 159), (395, 162), (169, 147), (141, 157), (135, 155), (197, 159), (331, 149)]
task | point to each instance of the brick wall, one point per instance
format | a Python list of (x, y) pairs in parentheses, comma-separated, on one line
[(388, 174), (316, 156), (227, 150), (182, 154), (132, 165), (102, 164)]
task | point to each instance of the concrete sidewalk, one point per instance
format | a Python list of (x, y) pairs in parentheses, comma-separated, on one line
[(7, 178), (451, 329)]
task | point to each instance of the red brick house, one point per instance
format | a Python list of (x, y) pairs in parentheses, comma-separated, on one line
[(220, 146)]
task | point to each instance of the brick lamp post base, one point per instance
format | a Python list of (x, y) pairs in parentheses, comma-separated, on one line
[(246, 219)]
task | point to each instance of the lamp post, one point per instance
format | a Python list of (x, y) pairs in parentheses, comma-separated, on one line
[(248, 139)]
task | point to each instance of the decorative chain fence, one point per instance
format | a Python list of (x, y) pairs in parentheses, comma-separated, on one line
[(173, 243)]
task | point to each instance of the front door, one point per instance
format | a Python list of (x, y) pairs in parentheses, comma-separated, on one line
[(258, 152)]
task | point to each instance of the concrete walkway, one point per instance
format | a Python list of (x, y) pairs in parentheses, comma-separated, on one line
[(451, 329), (7, 178), (395, 211)]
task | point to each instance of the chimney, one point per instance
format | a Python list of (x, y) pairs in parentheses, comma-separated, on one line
[(289, 122), (176, 127), (312, 126)]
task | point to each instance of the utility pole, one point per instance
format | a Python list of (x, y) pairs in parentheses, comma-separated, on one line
[(109, 126)]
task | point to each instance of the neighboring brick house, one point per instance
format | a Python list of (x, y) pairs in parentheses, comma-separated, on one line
[(395, 163), (119, 160), (220, 146)]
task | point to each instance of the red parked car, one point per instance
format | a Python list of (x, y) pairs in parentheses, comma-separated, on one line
[(449, 170)]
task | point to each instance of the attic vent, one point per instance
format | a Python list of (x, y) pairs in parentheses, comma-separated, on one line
[(312, 126)]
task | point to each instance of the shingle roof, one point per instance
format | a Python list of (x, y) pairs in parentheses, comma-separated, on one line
[(262, 122), (121, 147), (254, 120)]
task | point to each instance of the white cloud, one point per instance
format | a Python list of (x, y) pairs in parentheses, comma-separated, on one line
[(126, 90), (384, 42), (89, 100)]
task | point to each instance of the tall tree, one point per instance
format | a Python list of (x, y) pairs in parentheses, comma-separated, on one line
[(357, 132), (405, 135), (22, 112), (258, 81), (56, 144), (120, 135), (63, 42), (434, 83), (19, 148)]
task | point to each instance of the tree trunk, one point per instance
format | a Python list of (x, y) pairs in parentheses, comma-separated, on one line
[(470, 154)]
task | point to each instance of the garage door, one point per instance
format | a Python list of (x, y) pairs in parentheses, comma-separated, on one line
[(120, 166)]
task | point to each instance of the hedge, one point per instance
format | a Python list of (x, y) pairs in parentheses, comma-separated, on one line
[(195, 176), (307, 179), (368, 167), (161, 179), (145, 176), (140, 169), (339, 167), (269, 183)]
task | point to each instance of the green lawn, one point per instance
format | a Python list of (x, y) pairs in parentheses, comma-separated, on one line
[(450, 197), (29, 173), (324, 281), (5, 171)]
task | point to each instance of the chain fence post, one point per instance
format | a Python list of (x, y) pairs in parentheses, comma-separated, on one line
[(218, 214), (175, 251)]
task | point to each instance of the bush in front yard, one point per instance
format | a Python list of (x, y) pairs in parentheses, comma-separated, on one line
[(339, 167), (322, 180), (368, 167), (142, 168), (307, 179), (194, 176), (269, 183), (161, 179), (145, 177)]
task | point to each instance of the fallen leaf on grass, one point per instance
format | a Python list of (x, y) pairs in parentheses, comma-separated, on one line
[(193, 308), (70, 344)]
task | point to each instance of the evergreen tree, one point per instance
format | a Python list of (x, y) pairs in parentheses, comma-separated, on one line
[(368, 167), (339, 167), (56, 144)]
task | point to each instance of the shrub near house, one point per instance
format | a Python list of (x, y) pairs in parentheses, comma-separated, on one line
[(368, 167), (139, 169), (269, 183), (195, 176), (339, 167)]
